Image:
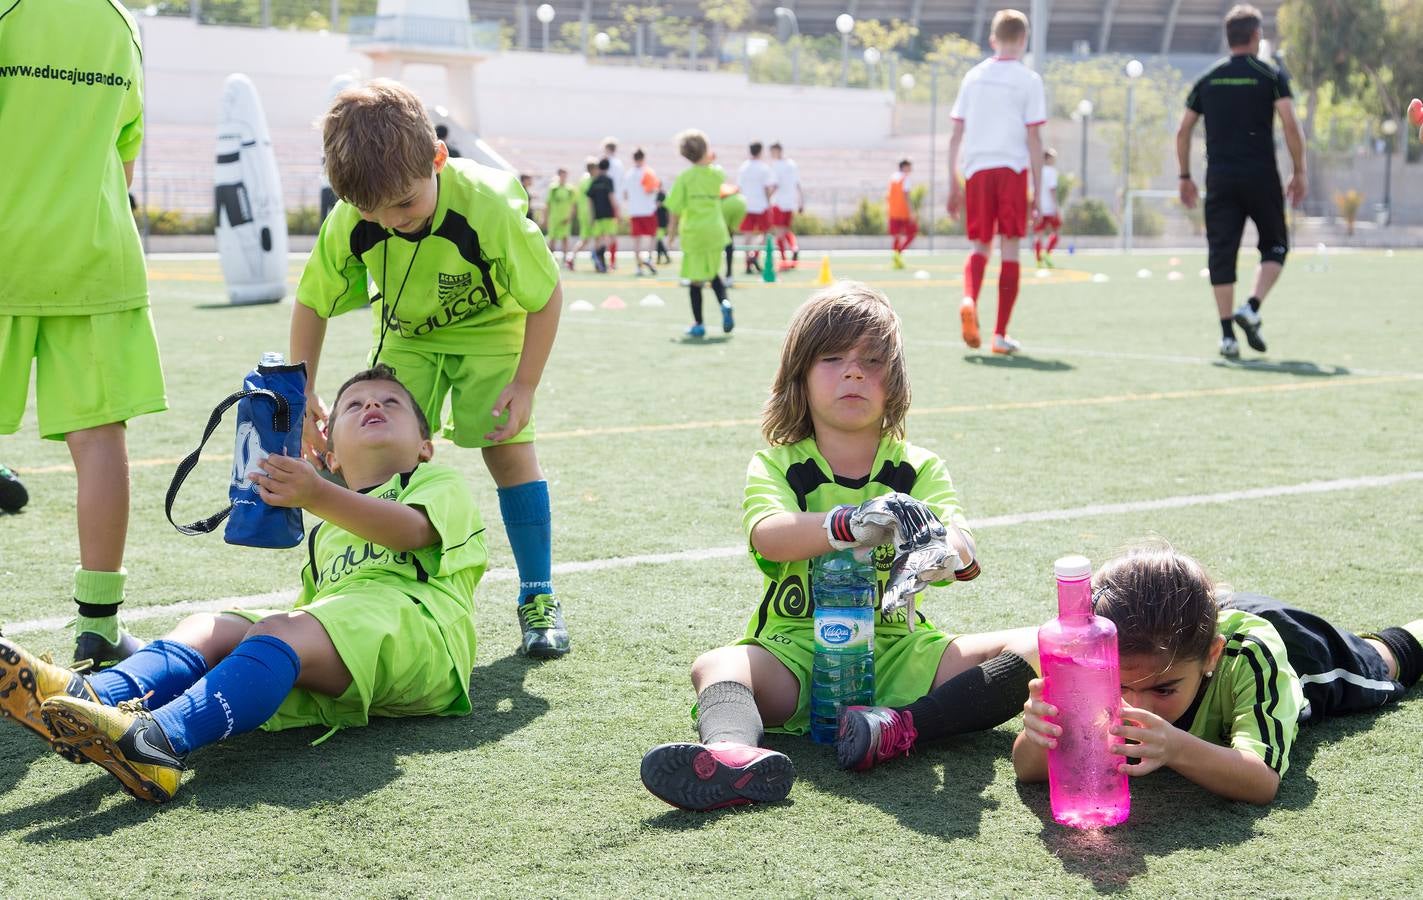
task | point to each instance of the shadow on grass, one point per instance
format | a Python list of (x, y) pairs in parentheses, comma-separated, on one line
[(1170, 813), (1303, 368), (282, 769), (710, 340), (1018, 361), (948, 781)]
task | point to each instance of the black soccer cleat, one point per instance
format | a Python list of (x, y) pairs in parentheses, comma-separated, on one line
[(541, 621), (703, 777), (13, 495), (99, 653), (1249, 322)]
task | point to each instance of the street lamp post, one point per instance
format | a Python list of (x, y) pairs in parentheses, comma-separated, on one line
[(1133, 69), (788, 30), (844, 23), (1390, 128), (545, 14), (872, 60), (1084, 113)]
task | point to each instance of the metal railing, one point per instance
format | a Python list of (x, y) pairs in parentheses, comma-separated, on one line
[(421, 31)]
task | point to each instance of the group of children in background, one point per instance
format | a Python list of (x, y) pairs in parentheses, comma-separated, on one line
[(1216, 683)]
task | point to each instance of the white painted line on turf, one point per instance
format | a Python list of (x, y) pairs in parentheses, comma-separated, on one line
[(280, 599)]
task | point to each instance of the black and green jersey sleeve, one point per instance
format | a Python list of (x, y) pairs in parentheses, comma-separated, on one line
[(1253, 700)]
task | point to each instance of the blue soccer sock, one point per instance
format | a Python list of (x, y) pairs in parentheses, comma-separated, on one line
[(166, 668), (529, 524), (237, 695)]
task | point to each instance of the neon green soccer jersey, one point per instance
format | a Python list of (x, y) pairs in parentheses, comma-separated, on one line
[(1253, 700), (71, 107), (695, 199), (796, 478), (561, 198), (733, 211), (464, 286)]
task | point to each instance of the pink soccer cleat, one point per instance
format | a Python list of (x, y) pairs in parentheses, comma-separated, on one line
[(869, 735)]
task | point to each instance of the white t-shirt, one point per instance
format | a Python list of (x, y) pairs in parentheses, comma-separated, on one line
[(787, 175), (638, 201), (617, 173), (998, 100), (1047, 204), (754, 177)]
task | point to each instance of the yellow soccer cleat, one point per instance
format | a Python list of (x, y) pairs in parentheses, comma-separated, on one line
[(27, 681), (125, 740)]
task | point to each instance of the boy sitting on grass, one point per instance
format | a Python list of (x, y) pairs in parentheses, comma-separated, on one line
[(383, 625)]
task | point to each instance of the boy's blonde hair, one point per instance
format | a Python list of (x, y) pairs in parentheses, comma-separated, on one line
[(835, 319), (1009, 25), (378, 143), (692, 144)]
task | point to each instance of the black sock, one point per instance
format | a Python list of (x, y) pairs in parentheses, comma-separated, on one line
[(983, 697), (730, 258), (1407, 651), (1254, 304), (1227, 328), (696, 290), (719, 288), (726, 711)]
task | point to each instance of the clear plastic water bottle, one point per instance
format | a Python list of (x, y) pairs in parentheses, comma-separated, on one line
[(843, 589), (273, 358), (1082, 678)]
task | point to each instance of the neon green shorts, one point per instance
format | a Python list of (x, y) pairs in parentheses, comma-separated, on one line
[(473, 384), (905, 663), (557, 231), (604, 228), (89, 370), (701, 261), (401, 662)]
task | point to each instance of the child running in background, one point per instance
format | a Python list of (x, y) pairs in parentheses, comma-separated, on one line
[(1216, 684), (695, 205), (662, 219), (383, 625), (835, 422), (585, 209), (998, 116), (603, 200), (899, 216), (1049, 219)]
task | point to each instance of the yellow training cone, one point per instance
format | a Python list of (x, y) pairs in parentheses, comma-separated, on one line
[(824, 278)]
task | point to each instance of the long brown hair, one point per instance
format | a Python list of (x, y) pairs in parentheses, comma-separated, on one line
[(835, 319), (1162, 602)]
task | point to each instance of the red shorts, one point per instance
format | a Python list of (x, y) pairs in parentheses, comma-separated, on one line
[(644, 226), (997, 201), (781, 218), (1048, 222), (902, 227), (756, 222)]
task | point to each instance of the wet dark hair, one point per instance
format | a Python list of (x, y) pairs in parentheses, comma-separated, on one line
[(638, 155), (1162, 602), (604, 165), (383, 372), (755, 148)]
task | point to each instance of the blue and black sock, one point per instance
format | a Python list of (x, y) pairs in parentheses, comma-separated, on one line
[(529, 524), (237, 695), (163, 668)]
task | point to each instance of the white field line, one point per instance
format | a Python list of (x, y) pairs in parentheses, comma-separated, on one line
[(281, 599)]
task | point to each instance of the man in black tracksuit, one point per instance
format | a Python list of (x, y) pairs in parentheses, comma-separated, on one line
[(1239, 98)]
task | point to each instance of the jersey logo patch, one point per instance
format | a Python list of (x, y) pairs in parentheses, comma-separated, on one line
[(454, 286)]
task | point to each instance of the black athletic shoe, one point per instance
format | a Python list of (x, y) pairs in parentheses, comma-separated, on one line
[(13, 495), (98, 653), (703, 777), (541, 620), (1249, 322)]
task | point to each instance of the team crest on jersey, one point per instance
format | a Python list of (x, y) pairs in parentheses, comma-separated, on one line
[(390, 494), (452, 287)]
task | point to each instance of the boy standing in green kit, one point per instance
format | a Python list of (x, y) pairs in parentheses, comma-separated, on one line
[(695, 205), (73, 288), (468, 307)]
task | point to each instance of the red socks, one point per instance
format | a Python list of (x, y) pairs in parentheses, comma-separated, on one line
[(613, 253), (1007, 294), (1038, 249), (781, 245), (973, 275), (1052, 242)]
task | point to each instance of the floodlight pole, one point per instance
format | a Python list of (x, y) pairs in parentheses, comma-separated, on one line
[(933, 143)]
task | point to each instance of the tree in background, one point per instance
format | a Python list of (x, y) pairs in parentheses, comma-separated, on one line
[(725, 15)]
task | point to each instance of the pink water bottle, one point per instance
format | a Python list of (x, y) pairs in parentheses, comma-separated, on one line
[(1082, 678)]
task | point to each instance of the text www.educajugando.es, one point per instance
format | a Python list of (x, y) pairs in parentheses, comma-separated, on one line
[(63, 73)]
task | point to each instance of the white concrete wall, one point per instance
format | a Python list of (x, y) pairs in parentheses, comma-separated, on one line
[(519, 94)]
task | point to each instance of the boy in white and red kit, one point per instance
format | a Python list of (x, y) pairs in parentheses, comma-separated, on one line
[(1049, 218), (997, 116)]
